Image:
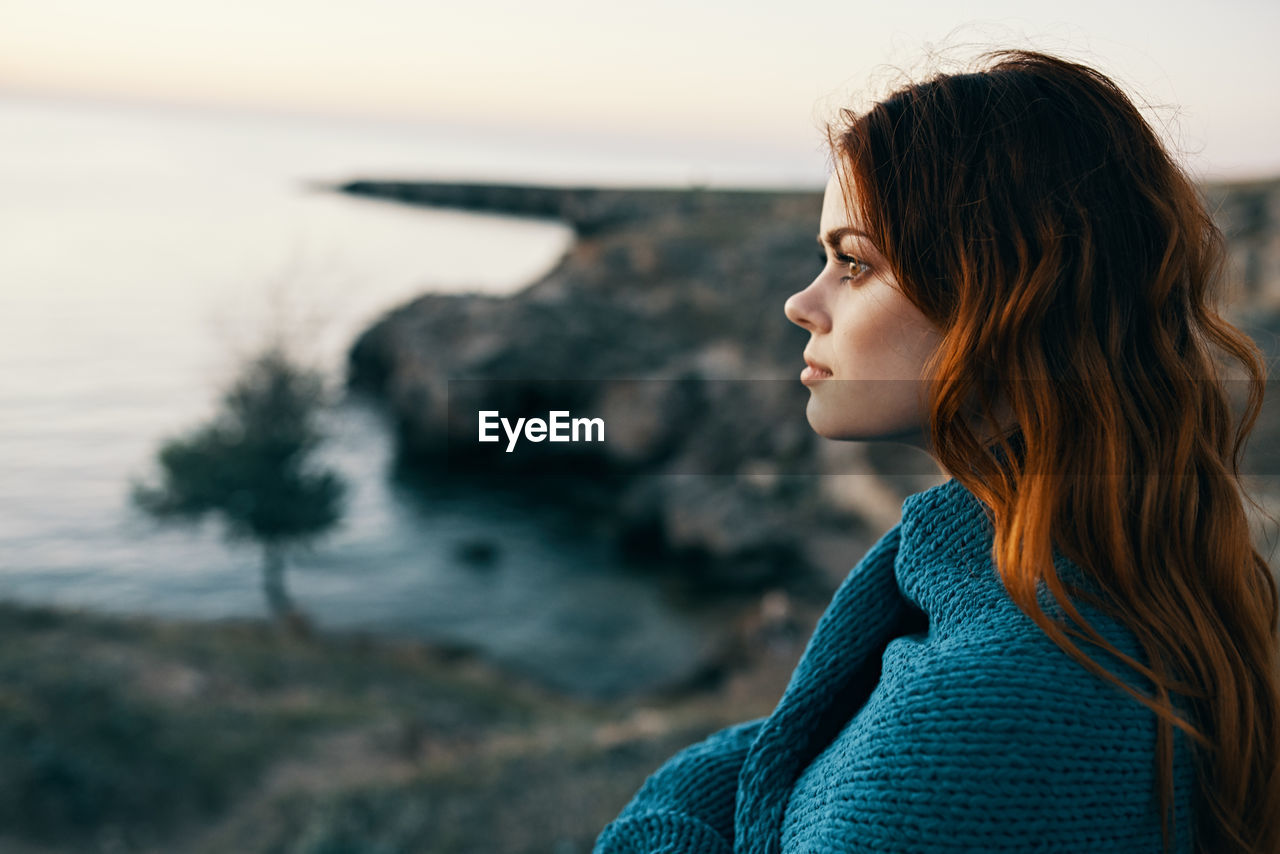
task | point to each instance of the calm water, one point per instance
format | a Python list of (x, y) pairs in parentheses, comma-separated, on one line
[(143, 248)]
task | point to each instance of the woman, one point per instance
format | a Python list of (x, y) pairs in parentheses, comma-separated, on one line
[(1018, 279)]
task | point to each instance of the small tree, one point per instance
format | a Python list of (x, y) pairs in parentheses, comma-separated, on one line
[(250, 467)]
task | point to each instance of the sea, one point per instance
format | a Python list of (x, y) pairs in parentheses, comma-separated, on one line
[(146, 248)]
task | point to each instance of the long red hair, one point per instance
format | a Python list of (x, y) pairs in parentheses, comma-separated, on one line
[(1030, 211)]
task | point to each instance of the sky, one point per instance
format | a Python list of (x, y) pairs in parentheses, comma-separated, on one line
[(760, 76)]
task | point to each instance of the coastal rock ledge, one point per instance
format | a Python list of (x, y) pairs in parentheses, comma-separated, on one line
[(665, 319)]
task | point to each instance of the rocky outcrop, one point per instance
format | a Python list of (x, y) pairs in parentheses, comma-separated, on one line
[(665, 319)]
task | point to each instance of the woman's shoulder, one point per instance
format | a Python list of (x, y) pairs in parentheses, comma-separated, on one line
[(988, 748), (1020, 681)]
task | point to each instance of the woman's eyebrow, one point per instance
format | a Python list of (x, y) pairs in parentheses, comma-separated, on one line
[(834, 235)]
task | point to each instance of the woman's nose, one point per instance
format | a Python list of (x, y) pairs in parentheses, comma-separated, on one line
[(802, 310)]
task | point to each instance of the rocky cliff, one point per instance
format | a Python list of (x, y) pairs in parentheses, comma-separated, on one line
[(665, 318)]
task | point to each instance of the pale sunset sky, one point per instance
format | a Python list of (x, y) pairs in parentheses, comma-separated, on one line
[(756, 75)]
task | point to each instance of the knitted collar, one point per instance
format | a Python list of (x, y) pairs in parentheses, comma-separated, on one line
[(943, 539), (943, 565)]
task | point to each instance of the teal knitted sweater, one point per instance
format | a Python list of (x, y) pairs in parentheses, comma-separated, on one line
[(927, 714)]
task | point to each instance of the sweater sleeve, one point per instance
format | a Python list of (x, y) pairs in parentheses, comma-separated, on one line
[(687, 805)]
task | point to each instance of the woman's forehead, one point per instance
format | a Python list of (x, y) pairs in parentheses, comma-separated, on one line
[(833, 205), (833, 187)]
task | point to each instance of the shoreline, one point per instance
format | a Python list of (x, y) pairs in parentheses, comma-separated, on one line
[(744, 499)]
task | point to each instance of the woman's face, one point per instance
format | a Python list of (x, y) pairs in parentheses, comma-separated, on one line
[(871, 341)]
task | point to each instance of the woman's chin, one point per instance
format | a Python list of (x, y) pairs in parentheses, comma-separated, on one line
[(842, 427), (834, 428)]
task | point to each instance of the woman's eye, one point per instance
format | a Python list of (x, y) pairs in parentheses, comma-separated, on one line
[(855, 266)]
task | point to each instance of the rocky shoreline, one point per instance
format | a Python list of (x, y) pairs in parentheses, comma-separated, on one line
[(665, 316), (676, 297)]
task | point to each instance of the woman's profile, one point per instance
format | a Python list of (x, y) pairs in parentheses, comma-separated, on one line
[(1070, 645)]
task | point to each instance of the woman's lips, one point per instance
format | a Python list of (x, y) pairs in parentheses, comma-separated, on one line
[(814, 371)]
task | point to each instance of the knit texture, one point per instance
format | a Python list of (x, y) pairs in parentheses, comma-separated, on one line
[(927, 714)]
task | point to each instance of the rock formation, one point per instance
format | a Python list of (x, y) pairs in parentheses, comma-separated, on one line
[(665, 318)]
